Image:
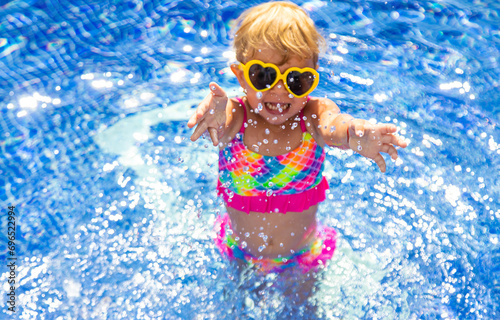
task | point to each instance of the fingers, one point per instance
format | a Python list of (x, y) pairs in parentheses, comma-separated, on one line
[(401, 142), (379, 160), (394, 140), (391, 150), (194, 119), (217, 90), (200, 129), (357, 128), (215, 100), (386, 128), (214, 136), (199, 113)]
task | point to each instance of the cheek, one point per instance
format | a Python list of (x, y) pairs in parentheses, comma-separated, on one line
[(254, 97)]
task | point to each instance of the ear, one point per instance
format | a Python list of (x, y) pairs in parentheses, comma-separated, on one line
[(239, 74)]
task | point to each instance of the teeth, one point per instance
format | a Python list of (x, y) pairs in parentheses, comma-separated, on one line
[(278, 106)]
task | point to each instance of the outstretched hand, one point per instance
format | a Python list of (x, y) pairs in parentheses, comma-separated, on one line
[(369, 140), (210, 115)]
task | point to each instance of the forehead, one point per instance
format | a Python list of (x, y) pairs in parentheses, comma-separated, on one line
[(269, 55)]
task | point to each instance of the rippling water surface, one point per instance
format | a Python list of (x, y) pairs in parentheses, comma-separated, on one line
[(115, 206)]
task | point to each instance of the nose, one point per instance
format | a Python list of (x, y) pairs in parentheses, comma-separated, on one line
[(279, 88)]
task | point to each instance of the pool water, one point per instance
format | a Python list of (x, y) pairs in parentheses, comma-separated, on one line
[(115, 205)]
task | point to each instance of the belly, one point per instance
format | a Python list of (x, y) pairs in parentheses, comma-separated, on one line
[(273, 234)]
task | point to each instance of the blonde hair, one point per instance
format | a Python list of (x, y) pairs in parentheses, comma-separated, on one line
[(280, 25)]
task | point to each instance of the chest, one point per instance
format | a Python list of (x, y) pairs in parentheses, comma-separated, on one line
[(274, 141)]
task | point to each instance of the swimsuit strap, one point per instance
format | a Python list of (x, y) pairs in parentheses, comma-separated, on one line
[(302, 123), (242, 129)]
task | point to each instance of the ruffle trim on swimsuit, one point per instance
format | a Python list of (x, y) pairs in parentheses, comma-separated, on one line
[(275, 202), (307, 259)]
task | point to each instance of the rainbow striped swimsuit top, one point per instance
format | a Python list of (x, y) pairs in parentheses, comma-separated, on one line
[(249, 181)]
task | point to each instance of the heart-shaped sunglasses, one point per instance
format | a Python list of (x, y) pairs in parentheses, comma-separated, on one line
[(263, 76)]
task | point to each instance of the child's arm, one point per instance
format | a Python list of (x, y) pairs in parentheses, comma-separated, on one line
[(342, 130), (211, 115)]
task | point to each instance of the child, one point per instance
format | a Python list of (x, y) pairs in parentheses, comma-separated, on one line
[(271, 142)]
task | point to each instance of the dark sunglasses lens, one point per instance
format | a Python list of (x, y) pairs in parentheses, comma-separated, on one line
[(261, 77), (299, 82)]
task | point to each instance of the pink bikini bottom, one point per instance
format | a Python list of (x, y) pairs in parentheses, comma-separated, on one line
[(306, 259)]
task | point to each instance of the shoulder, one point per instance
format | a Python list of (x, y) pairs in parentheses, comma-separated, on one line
[(315, 110), (320, 105)]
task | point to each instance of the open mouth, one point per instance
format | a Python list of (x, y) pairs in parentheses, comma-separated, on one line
[(276, 108)]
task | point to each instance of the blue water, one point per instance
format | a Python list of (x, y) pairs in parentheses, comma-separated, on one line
[(115, 205)]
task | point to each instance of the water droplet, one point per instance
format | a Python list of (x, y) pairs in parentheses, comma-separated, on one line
[(294, 125), (259, 108), (314, 116), (288, 148), (360, 148), (243, 244), (379, 143), (213, 87), (275, 141), (332, 128), (246, 168), (269, 192), (261, 248), (247, 234), (284, 260), (293, 234), (212, 111), (290, 96), (265, 141), (292, 251), (267, 131), (259, 143), (279, 86), (180, 160), (259, 95), (359, 133), (271, 184)]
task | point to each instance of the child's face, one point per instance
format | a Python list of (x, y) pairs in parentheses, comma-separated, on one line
[(275, 105)]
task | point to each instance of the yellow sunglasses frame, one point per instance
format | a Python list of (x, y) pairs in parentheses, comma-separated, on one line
[(281, 76)]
